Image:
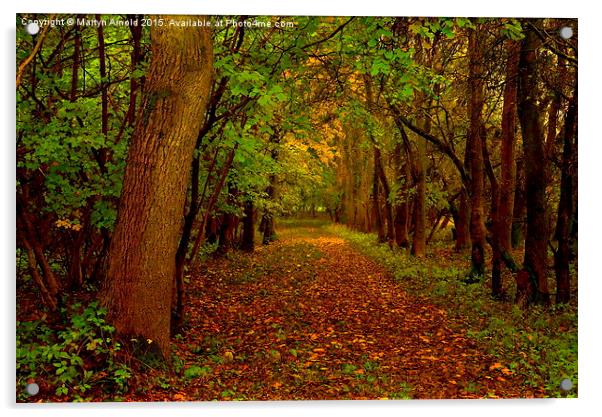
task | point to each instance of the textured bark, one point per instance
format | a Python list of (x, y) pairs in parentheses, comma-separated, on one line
[(565, 205), (536, 241), (497, 289), (475, 137), (508, 149), (502, 194), (143, 248)]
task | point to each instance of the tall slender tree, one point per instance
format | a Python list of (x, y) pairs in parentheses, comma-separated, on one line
[(533, 284), (474, 149)]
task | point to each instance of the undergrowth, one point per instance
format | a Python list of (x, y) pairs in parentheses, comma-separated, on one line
[(70, 361)]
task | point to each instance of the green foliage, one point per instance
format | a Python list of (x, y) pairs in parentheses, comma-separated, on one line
[(348, 368), (73, 360), (403, 393), (197, 372), (513, 30)]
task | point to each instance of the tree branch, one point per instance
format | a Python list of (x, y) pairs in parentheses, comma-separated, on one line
[(440, 144), (31, 56)]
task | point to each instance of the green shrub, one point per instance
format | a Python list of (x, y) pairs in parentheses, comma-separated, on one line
[(72, 360)]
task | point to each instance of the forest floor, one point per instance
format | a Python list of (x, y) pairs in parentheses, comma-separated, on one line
[(311, 317)]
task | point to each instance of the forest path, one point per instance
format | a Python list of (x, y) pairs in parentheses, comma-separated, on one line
[(309, 317)]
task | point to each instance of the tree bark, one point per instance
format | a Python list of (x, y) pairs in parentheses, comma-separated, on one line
[(503, 193), (419, 237), (565, 205), (380, 171), (475, 137), (519, 212), (143, 249), (536, 242), (461, 216), (508, 149), (376, 214), (269, 231), (401, 207), (228, 224)]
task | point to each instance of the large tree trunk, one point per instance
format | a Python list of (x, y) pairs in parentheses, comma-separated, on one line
[(503, 197), (565, 206), (535, 173), (475, 138), (143, 249)]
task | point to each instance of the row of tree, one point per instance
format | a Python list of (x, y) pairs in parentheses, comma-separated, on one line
[(479, 129)]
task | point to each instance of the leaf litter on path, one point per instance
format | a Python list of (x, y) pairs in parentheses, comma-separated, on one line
[(308, 317)]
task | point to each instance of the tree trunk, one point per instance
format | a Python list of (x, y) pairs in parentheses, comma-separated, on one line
[(143, 249), (508, 151), (376, 214), (380, 171), (226, 234), (462, 223), (419, 214), (419, 238), (502, 204), (401, 207), (497, 289), (536, 242), (269, 232), (228, 223), (565, 205), (519, 212), (248, 228), (475, 137)]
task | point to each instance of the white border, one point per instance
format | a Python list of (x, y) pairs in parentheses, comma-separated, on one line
[(590, 158)]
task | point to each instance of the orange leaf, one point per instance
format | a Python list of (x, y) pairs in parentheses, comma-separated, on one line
[(496, 365)]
